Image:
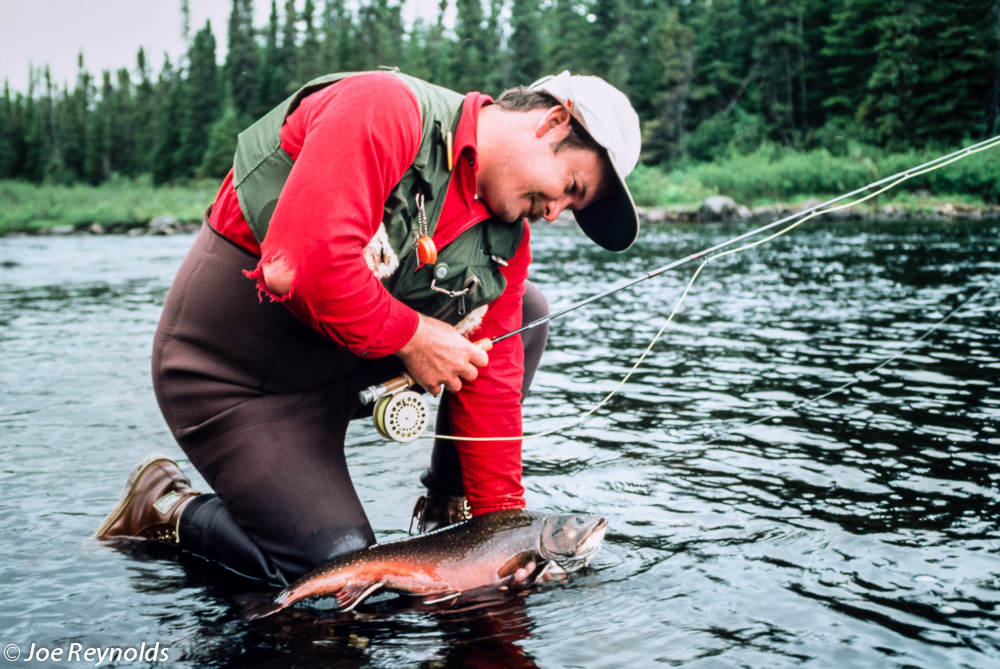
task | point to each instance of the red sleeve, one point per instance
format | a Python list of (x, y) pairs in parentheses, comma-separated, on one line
[(491, 405), (351, 143)]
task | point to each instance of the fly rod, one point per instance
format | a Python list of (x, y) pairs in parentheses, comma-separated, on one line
[(373, 393)]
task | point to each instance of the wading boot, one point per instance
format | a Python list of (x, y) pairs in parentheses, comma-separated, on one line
[(434, 511), (154, 496)]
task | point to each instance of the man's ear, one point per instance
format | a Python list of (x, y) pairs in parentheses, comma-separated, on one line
[(555, 119)]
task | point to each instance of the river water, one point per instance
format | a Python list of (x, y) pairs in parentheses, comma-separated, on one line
[(858, 530)]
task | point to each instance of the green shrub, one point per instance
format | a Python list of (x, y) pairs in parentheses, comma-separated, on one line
[(25, 206)]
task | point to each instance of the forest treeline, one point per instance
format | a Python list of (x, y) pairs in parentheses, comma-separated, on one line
[(709, 78)]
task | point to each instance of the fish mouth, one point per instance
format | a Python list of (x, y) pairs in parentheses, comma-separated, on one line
[(589, 537)]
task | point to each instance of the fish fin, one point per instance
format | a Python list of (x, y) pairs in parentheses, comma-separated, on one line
[(442, 598), (354, 593)]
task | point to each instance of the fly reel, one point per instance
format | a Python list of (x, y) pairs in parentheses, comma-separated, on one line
[(401, 416)]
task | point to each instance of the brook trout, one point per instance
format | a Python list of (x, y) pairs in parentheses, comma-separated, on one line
[(504, 549)]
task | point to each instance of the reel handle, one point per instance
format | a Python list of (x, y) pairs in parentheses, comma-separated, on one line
[(372, 393)]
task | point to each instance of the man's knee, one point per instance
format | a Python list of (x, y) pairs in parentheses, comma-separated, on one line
[(534, 305)]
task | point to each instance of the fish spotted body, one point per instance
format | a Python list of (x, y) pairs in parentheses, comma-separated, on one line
[(503, 549)]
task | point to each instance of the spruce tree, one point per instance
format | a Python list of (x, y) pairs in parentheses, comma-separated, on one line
[(667, 70), (310, 58), (289, 45), (613, 33), (993, 101), (569, 39), (379, 35), (37, 132), (221, 146), (526, 48), (167, 119), (72, 125), (416, 57), (97, 161), (849, 43), (143, 118), (957, 47), (201, 104), (243, 59), (440, 49), (274, 81), (46, 132), (11, 135), (468, 64)]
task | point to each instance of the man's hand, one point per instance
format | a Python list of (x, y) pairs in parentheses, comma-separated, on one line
[(437, 355)]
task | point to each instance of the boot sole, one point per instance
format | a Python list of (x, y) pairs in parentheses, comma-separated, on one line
[(128, 492)]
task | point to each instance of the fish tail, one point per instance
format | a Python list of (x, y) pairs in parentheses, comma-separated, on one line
[(256, 606), (257, 611)]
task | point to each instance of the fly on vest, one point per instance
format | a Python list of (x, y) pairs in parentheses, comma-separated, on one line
[(472, 278)]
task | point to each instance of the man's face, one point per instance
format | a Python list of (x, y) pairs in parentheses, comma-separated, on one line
[(532, 180)]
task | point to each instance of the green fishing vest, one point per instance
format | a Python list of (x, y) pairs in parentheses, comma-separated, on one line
[(468, 268)]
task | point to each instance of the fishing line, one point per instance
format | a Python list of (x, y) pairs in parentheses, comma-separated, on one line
[(891, 182), (863, 376)]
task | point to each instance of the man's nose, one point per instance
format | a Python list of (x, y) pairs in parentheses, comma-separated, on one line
[(555, 207)]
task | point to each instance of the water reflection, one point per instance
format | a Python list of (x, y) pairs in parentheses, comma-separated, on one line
[(858, 530)]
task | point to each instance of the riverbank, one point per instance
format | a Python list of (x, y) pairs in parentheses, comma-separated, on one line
[(765, 185), (716, 209), (650, 217)]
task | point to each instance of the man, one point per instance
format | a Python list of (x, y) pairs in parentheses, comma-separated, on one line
[(372, 223)]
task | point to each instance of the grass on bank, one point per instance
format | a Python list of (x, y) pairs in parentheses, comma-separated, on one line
[(25, 206), (771, 174)]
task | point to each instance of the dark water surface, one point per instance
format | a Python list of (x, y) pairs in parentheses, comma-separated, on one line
[(862, 530)]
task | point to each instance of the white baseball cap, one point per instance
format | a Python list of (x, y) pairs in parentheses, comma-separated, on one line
[(609, 118)]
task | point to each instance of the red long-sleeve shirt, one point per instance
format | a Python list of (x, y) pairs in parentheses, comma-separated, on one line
[(351, 143)]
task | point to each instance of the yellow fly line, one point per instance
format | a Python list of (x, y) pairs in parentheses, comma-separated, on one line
[(579, 419)]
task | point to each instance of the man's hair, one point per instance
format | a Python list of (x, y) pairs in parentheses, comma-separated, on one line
[(525, 99)]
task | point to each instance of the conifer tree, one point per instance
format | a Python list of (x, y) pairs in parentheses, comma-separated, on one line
[(440, 49), (310, 61), (379, 35), (120, 127), (221, 147), (167, 120), (416, 57), (667, 72), (143, 118), (496, 66), (45, 130), (527, 55), (71, 121), (612, 31), (957, 54), (289, 45), (37, 132), (993, 104), (243, 60), (199, 109), (568, 37), (97, 159), (338, 46), (849, 43), (471, 49), (8, 151), (274, 81)]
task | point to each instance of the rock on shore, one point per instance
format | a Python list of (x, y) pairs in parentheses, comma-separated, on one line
[(715, 209)]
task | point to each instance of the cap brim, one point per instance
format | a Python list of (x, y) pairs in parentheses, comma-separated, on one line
[(612, 222)]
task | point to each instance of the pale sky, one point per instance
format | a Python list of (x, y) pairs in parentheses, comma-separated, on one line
[(110, 32)]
